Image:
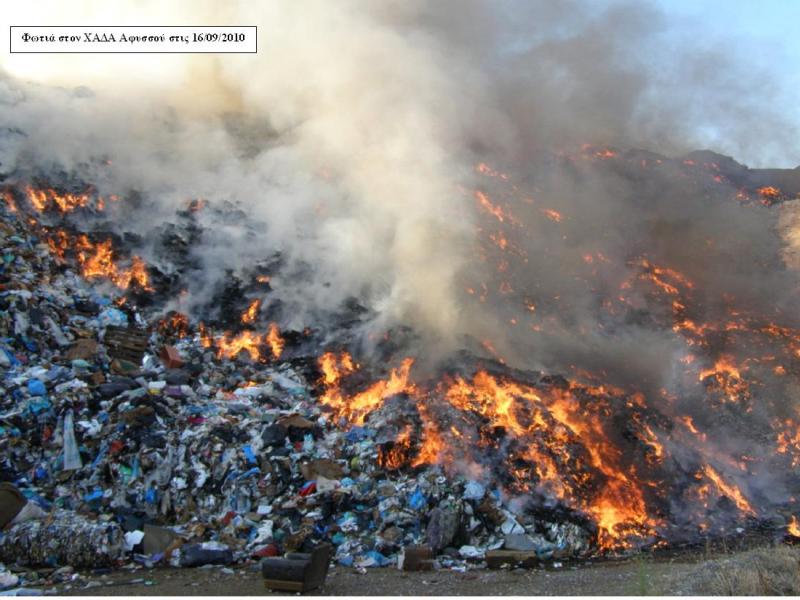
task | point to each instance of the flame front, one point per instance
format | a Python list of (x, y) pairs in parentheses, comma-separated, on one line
[(246, 341), (249, 315), (97, 260), (543, 428), (275, 341), (794, 527), (355, 408)]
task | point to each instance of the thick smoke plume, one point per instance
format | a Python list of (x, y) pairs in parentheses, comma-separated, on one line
[(351, 132)]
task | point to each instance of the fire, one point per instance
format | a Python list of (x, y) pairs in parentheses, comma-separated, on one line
[(723, 366), (547, 424), (726, 377), (794, 527), (651, 439), (788, 440), (44, 199), (606, 153), (487, 398), (689, 423), (249, 315), (665, 278), (395, 455), (58, 243), (97, 262), (492, 209), (333, 367), (229, 346), (618, 507), (175, 323), (206, 341), (433, 445), (500, 240), (731, 491), (247, 341), (274, 340), (355, 408), (600, 153), (553, 215), (9, 200), (592, 448), (769, 192), (485, 169), (489, 347)]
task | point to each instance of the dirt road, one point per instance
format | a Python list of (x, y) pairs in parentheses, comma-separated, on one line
[(626, 577)]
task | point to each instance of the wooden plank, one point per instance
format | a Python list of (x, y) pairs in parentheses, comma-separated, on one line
[(126, 343), (498, 558), (413, 557)]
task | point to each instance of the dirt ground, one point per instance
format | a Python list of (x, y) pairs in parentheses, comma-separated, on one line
[(636, 576)]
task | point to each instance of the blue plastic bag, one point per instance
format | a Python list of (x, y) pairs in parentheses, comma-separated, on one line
[(417, 500), (36, 387)]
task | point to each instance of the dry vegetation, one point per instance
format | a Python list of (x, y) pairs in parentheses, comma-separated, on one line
[(766, 571)]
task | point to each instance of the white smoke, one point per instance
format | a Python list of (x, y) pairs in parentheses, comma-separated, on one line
[(355, 126)]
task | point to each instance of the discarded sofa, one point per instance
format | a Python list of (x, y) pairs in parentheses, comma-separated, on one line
[(297, 572)]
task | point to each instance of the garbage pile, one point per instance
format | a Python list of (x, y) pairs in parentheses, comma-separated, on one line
[(137, 444)]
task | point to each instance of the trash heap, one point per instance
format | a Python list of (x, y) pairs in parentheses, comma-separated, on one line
[(143, 447)]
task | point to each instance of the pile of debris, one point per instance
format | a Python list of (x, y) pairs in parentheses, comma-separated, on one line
[(134, 442)]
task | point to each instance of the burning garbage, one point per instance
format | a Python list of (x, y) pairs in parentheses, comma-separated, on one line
[(236, 446), (478, 365)]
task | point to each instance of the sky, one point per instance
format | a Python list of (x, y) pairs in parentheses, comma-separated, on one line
[(767, 28), (764, 31)]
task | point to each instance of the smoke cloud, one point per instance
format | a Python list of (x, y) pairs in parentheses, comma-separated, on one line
[(349, 143)]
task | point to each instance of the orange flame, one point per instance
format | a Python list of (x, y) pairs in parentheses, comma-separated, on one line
[(396, 455), (206, 341), (249, 315), (433, 445), (729, 490), (355, 408), (97, 261), (553, 215), (9, 200), (275, 341), (485, 169), (43, 199), (723, 366), (247, 341), (492, 209), (553, 418), (794, 527), (176, 323), (334, 368), (769, 192)]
